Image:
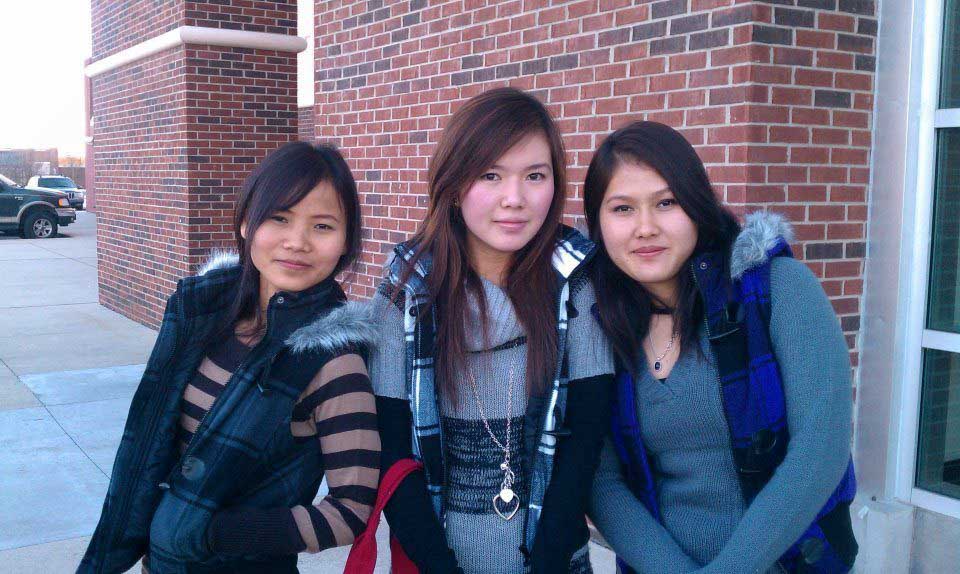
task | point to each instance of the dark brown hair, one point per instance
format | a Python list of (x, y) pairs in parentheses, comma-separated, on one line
[(477, 135), (622, 303)]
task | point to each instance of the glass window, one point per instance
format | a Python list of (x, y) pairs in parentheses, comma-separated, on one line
[(943, 307), (938, 439), (938, 453), (950, 66), (57, 182)]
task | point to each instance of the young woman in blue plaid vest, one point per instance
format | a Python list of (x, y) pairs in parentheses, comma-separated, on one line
[(255, 391), (730, 447), (490, 368)]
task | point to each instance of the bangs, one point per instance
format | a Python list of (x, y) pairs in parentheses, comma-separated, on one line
[(290, 192), (509, 131)]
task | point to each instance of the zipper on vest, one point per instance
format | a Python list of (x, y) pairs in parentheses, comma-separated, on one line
[(706, 325)]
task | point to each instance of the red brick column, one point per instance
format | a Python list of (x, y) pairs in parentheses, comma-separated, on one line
[(776, 98), (175, 133)]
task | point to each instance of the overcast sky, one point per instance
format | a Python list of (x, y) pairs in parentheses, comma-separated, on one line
[(43, 44), (42, 47)]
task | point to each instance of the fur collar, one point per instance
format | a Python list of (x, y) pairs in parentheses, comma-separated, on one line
[(347, 325), (219, 259), (761, 231)]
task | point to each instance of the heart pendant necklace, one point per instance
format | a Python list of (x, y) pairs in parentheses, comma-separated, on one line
[(506, 502), (506, 497)]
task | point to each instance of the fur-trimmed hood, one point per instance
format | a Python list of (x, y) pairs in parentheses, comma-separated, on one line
[(760, 232), (349, 324), (219, 259)]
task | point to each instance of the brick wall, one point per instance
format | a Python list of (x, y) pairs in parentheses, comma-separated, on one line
[(120, 24), (273, 16), (174, 137), (142, 183), (776, 97), (305, 123)]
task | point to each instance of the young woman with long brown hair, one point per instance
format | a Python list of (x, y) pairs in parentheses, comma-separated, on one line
[(490, 368)]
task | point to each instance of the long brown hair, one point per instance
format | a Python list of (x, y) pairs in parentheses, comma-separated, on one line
[(478, 134)]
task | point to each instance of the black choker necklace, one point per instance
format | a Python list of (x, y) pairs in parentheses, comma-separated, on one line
[(661, 310)]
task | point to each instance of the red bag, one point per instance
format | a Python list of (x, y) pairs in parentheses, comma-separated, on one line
[(363, 554)]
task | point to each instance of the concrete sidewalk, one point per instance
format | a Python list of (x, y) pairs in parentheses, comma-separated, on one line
[(68, 369)]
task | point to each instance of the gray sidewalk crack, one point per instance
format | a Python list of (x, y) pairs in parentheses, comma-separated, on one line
[(69, 436), (51, 305)]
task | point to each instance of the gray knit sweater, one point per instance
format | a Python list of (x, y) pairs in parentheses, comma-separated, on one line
[(683, 427), (482, 542)]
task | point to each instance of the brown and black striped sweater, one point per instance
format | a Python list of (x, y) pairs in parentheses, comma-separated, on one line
[(338, 409)]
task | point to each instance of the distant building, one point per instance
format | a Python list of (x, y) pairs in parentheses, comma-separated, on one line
[(20, 164)]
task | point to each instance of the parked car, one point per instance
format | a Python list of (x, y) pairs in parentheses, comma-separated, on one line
[(33, 212), (60, 183)]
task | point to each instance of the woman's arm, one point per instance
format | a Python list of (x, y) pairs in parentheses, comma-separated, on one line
[(635, 535), (562, 526), (815, 367), (410, 512), (338, 408), (590, 369)]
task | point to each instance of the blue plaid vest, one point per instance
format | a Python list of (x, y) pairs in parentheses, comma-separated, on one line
[(737, 317)]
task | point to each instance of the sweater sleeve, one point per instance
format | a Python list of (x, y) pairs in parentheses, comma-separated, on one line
[(409, 513), (387, 356), (338, 409), (562, 525), (626, 524), (344, 415), (815, 368)]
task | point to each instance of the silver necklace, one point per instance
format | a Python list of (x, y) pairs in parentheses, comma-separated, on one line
[(506, 497), (657, 362)]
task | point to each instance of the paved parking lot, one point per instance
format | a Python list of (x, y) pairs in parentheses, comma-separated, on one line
[(68, 369)]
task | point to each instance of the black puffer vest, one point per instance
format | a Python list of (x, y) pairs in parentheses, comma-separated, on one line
[(243, 453)]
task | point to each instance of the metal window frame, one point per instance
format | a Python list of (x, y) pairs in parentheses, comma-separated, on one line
[(917, 248)]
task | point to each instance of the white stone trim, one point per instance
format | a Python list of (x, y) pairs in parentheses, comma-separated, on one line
[(946, 505), (947, 118), (197, 35)]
